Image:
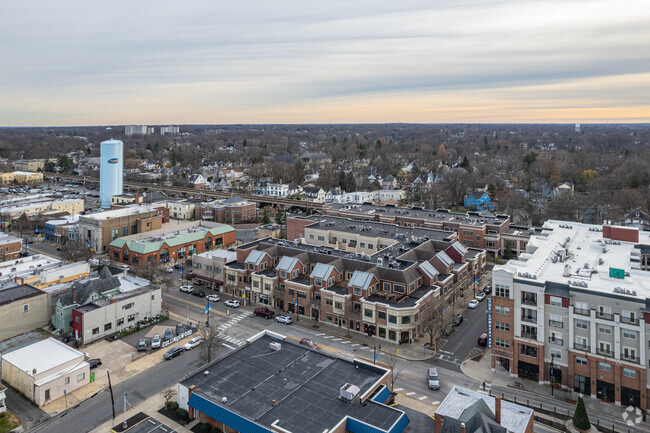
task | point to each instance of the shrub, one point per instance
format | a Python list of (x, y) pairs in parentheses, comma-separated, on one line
[(205, 427), (172, 405), (580, 418), (182, 413)]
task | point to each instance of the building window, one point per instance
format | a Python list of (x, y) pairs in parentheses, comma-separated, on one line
[(338, 305), (357, 291), (556, 301), (25, 308), (120, 321), (502, 326), (582, 343), (502, 291), (302, 294), (581, 361), (499, 342), (555, 321), (81, 377), (605, 366), (114, 234), (47, 394), (292, 292), (130, 318), (128, 306), (605, 329), (582, 324), (406, 320), (381, 315), (556, 353), (628, 372), (67, 380), (328, 301), (387, 287), (317, 282), (392, 319), (108, 326), (95, 331), (398, 288), (283, 274), (330, 282), (505, 311), (357, 306), (367, 313), (629, 334)]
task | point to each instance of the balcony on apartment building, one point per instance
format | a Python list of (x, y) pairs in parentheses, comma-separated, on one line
[(605, 352), (629, 320), (555, 340), (604, 315), (530, 318), (528, 298), (581, 311), (630, 358), (583, 347), (556, 324)]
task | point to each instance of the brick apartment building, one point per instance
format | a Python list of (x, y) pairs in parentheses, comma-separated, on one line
[(474, 229), (233, 210), (573, 310), (10, 247), (392, 290)]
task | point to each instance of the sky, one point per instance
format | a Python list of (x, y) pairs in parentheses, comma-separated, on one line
[(355, 61)]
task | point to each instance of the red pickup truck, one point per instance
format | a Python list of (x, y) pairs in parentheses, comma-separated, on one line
[(264, 312)]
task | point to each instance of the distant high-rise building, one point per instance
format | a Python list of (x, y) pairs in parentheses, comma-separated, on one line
[(130, 130), (111, 171), (577, 127), (169, 130)]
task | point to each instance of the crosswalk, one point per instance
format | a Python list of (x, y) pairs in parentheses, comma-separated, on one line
[(443, 355), (223, 329), (342, 341)]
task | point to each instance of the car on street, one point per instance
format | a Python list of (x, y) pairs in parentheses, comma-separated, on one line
[(169, 334), (309, 343), (264, 312), (482, 340), (192, 343), (155, 341), (142, 345), (458, 319), (480, 296), (487, 289), (213, 298), (231, 303), (94, 363), (197, 281), (433, 380), (187, 289), (283, 319), (472, 304), (199, 293), (169, 269), (173, 352)]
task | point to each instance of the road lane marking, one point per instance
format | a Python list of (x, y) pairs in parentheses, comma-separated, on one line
[(329, 336), (346, 342), (319, 334), (422, 398), (399, 389), (228, 346), (410, 393), (355, 345), (201, 306), (337, 339), (435, 403)]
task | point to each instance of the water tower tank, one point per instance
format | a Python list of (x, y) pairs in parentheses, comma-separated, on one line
[(111, 171)]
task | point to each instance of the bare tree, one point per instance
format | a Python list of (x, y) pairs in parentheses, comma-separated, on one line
[(75, 250), (154, 272), (211, 338), (168, 394), (433, 322), (395, 367)]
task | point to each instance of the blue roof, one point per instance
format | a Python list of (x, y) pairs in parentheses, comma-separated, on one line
[(322, 271)]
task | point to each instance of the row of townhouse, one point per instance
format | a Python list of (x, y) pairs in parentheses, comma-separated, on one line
[(493, 233), (392, 297), (574, 311)]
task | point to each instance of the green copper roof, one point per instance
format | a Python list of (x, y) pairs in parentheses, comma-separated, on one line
[(151, 247)]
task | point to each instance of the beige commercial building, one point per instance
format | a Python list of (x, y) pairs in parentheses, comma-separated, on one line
[(45, 371), (23, 308), (29, 164), (43, 206)]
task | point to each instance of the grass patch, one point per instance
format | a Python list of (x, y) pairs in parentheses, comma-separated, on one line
[(8, 422)]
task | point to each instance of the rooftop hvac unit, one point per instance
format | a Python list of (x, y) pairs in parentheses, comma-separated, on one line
[(349, 391), (275, 346)]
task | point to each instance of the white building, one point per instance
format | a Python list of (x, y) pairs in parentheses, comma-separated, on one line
[(209, 266), (130, 130), (389, 196), (45, 371), (277, 190), (169, 130)]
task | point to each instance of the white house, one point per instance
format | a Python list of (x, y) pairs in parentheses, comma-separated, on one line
[(389, 196), (314, 194), (277, 190)]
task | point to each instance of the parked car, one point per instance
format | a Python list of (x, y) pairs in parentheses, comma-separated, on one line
[(198, 281), (143, 343), (169, 269), (178, 265), (192, 343), (480, 296), (472, 304), (231, 303), (283, 319), (213, 298), (173, 352), (309, 343), (155, 341), (487, 289), (458, 319), (94, 363), (169, 334), (187, 289), (180, 328), (199, 293), (264, 312), (482, 340), (432, 379)]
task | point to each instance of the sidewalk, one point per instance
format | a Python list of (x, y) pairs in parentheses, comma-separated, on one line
[(412, 352), (482, 371)]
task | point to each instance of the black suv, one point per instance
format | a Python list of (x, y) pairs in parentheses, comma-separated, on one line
[(199, 293), (173, 352)]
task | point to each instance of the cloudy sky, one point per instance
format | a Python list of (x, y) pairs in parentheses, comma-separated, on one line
[(264, 61)]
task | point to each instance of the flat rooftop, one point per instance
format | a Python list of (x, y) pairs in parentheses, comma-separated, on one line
[(116, 213), (439, 215), (304, 383), (41, 356), (6, 238), (587, 264), (15, 293)]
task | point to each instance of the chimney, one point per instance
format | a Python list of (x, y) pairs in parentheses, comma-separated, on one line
[(462, 427), (497, 409), (137, 196), (74, 293)]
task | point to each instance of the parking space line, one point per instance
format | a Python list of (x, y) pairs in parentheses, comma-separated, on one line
[(228, 346), (423, 397), (410, 393)]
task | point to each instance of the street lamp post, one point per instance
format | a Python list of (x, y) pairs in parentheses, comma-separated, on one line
[(552, 376)]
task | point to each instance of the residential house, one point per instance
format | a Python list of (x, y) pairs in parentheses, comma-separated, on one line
[(389, 182), (277, 190), (294, 189), (478, 200), (314, 194), (637, 218), (23, 308), (197, 181)]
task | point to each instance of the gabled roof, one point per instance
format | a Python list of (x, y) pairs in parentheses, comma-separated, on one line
[(427, 269), (460, 248), (286, 263), (360, 279), (150, 247), (83, 289), (255, 257), (321, 271), (444, 258)]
